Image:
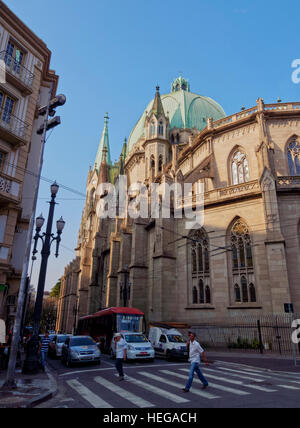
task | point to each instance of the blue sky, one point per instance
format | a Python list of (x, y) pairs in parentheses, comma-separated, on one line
[(111, 54)]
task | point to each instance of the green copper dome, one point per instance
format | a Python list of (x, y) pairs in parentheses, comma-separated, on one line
[(185, 110)]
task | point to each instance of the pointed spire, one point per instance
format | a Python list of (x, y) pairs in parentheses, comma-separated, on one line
[(104, 143), (157, 108)]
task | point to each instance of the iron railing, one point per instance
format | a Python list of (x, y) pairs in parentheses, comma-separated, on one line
[(13, 125), (13, 66), (261, 334)]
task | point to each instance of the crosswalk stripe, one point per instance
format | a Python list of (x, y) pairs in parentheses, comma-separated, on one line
[(275, 377), (177, 385), (217, 386), (163, 393), (289, 387), (238, 382), (88, 395), (138, 401), (235, 375), (244, 372)]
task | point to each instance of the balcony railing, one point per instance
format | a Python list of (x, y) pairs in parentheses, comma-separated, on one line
[(9, 187), (17, 70), (12, 129), (288, 182)]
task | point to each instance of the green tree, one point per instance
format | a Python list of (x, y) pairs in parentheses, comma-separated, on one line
[(56, 290)]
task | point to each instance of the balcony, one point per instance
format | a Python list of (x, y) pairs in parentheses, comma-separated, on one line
[(226, 194), (17, 74), (9, 189), (12, 129), (288, 183)]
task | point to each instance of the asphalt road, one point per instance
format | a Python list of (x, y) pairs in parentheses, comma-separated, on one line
[(159, 385)]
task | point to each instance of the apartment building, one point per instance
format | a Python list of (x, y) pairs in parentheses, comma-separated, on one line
[(28, 80)]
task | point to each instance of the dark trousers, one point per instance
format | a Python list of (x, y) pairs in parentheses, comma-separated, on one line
[(119, 366)]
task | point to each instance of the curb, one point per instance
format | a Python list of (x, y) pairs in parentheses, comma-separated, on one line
[(46, 396)]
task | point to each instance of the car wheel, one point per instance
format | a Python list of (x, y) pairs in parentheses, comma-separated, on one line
[(68, 363), (168, 356)]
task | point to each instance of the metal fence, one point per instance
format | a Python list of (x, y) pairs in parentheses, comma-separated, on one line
[(264, 334)]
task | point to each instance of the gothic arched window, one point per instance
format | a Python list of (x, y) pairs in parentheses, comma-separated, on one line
[(152, 129), (200, 266), (160, 163), (294, 157), (242, 263), (239, 168), (195, 295), (161, 128)]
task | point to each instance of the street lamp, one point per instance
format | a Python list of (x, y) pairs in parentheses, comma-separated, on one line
[(31, 363)]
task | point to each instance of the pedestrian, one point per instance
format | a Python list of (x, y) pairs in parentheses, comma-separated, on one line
[(6, 351), (121, 354), (195, 352), (43, 349)]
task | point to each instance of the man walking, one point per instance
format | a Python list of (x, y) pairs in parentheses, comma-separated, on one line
[(121, 354), (43, 349), (195, 352)]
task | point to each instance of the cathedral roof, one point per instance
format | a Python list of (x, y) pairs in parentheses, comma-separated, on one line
[(185, 110)]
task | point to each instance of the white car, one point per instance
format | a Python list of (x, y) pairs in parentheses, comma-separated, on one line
[(138, 346), (56, 344)]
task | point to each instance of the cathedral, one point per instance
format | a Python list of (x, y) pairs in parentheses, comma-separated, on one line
[(244, 260)]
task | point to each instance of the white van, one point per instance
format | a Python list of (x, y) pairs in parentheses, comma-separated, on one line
[(168, 343)]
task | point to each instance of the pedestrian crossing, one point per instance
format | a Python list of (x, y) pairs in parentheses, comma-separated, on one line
[(162, 386)]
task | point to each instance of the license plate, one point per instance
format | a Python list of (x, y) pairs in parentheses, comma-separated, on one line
[(86, 358), (143, 353)]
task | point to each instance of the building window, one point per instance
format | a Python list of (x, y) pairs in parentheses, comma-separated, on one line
[(160, 163), (152, 129), (14, 55), (6, 107), (2, 160), (239, 168), (200, 267), (161, 128), (195, 295), (242, 264), (294, 158)]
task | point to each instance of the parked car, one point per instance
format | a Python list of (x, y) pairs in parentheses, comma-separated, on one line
[(138, 346), (80, 349), (168, 343), (56, 344)]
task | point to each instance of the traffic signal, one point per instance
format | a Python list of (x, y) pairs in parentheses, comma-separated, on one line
[(50, 124), (57, 101)]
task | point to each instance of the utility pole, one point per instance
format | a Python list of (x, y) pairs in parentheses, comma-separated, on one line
[(31, 364), (10, 378)]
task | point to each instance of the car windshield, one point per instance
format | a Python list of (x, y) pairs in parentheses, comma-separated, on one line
[(61, 339), (81, 341), (175, 339), (135, 338)]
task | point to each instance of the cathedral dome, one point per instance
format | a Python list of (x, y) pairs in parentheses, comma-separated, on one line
[(185, 110)]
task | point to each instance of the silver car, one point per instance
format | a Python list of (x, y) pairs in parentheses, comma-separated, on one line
[(80, 349), (56, 344)]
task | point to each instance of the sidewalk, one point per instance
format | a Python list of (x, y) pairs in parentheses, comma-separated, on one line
[(273, 362), (31, 389)]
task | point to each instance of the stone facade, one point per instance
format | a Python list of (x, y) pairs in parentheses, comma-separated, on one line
[(27, 87), (245, 260)]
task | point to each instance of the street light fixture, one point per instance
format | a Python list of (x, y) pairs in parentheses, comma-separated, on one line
[(31, 364)]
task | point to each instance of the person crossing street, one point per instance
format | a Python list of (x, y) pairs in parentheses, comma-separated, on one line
[(121, 354), (195, 352)]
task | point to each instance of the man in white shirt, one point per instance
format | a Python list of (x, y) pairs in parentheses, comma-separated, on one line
[(195, 353), (121, 353)]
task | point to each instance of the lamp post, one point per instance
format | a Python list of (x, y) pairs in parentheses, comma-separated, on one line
[(125, 287), (31, 363)]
